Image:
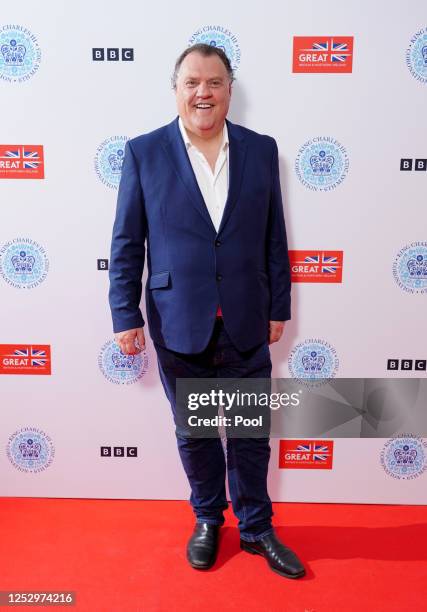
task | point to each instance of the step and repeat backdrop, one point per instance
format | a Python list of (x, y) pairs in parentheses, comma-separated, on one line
[(344, 92)]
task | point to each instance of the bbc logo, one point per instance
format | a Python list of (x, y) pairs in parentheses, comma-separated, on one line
[(99, 54), (119, 451), (419, 165), (102, 264), (407, 364)]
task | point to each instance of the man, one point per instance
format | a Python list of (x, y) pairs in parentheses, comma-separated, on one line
[(205, 195)]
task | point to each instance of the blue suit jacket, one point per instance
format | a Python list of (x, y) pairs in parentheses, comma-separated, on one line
[(192, 268)]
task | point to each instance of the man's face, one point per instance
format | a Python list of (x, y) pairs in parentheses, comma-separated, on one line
[(203, 92)]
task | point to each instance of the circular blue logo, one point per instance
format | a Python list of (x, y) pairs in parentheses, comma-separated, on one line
[(410, 268), (217, 36), (30, 450), (19, 54), (404, 457), (119, 368), (23, 263), (109, 160), (313, 361), (416, 56), (322, 164)]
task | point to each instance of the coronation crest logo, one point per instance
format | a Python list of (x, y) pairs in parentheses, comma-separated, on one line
[(23, 263), (25, 359), (218, 36), (21, 162), (19, 54), (323, 54), (119, 368), (410, 268), (30, 450), (404, 457), (313, 361), (316, 266), (306, 454), (416, 56), (109, 160), (322, 164)]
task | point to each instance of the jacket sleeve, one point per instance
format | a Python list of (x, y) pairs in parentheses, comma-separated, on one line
[(277, 249), (127, 255)]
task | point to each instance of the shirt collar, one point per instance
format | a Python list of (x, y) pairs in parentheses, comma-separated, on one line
[(188, 142)]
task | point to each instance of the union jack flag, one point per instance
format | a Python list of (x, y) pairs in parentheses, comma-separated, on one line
[(338, 51), (340, 47), (329, 264), (37, 357), (320, 452), (319, 47), (31, 159)]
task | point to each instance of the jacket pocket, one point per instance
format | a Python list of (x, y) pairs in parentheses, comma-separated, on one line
[(159, 280)]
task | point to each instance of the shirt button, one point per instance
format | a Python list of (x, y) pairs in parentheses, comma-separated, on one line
[(218, 277)]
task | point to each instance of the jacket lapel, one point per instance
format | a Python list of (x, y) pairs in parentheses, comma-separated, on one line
[(177, 153), (237, 158)]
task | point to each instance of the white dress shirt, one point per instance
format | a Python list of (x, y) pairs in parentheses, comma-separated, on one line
[(213, 185)]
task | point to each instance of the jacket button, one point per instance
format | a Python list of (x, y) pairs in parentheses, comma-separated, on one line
[(217, 243), (218, 277)]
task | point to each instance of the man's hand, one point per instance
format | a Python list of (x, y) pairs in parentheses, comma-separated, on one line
[(276, 330), (131, 341)]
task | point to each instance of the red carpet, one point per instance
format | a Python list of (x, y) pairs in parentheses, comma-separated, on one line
[(129, 556)]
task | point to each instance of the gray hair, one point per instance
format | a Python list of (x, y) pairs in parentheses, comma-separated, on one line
[(206, 51)]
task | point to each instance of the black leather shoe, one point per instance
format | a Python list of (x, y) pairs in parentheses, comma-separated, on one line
[(280, 558), (202, 547)]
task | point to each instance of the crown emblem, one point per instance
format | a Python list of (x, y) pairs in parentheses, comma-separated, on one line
[(424, 54), (29, 449), (121, 361), (313, 362), (116, 161), (23, 263), (417, 266), (322, 163), (213, 43), (405, 455), (13, 53)]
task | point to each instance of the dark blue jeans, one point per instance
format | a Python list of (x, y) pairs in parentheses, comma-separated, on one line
[(203, 458)]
